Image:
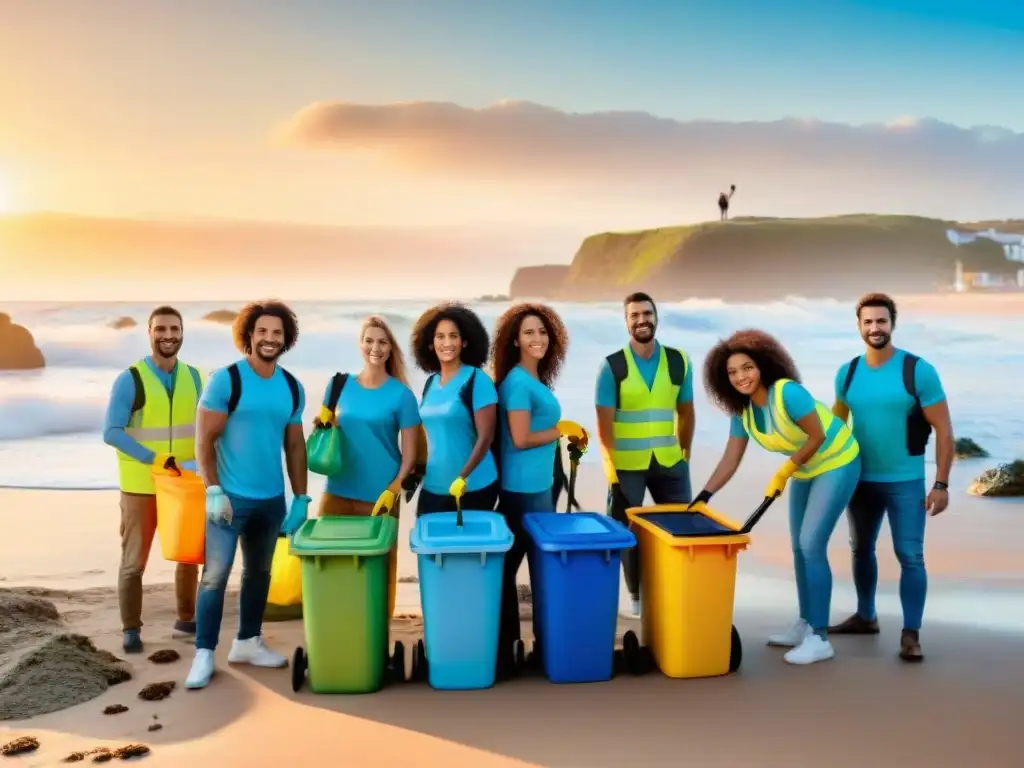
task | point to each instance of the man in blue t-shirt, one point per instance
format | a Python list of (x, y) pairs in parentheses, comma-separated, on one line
[(895, 399), (247, 412), (645, 421)]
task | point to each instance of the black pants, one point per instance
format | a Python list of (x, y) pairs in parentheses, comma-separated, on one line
[(667, 485), (482, 499)]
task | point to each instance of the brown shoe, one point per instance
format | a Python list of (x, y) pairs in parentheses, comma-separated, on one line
[(910, 646), (855, 625)]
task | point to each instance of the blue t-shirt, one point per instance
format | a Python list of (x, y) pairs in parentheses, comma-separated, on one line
[(371, 422), (605, 395), (451, 432), (798, 403), (879, 404), (250, 458), (119, 410), (529, 470)]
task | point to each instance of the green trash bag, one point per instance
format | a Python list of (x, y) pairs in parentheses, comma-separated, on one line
[(323, 450)]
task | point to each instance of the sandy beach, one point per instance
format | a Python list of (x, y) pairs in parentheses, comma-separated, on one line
[(864, 705)]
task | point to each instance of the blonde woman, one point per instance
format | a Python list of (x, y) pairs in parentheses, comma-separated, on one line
[(378, 418)]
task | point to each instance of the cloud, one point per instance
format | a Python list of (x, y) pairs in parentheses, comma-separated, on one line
[(908, 163)]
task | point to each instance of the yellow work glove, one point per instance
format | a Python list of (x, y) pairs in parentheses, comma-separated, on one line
[(458, 487), (778, 482), (571, 429), (386, 502), (166, 463), (325, 416)]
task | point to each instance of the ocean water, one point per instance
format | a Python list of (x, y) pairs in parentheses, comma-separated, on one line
[(51, 420)]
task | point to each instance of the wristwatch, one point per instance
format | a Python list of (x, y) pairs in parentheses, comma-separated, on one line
[(941, 486)]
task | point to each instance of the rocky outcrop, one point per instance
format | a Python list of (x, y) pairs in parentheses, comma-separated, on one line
[(539, 282), (222, 316), (1003, 481), (968, 449), (121, 323), (18, 350)]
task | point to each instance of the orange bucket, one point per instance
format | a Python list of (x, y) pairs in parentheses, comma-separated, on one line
[(181, 516)]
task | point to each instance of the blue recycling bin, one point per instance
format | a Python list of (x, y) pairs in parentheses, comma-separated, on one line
[(574, 566), (460, 572)]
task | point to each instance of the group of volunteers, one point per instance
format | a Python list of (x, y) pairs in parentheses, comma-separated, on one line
[(492, 442)]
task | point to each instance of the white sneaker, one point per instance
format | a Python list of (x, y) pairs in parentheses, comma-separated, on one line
[(636, 607), (202, 669), (254, 651), (793, 636), (813, 648)]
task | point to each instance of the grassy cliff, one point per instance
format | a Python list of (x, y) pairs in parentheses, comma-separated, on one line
[(763, 258)]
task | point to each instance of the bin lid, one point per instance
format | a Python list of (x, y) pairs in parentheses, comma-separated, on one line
[(683, 524), (345, 535), (436, 533), (577, 531)]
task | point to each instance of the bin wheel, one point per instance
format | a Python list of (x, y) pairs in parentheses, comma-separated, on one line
[(520, 657), (298, 669), (735, 651), (618, 662), (398, 663), (632, 656), (419, 663)]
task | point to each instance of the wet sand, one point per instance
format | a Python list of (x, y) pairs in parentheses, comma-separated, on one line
[(958, 708)]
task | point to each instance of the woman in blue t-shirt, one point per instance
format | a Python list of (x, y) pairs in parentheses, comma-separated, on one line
[(529, 349), (751, 377), (458, 409), (378, 419)]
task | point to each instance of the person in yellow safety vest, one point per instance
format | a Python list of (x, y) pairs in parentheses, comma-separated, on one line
[(645, 422), (752, 378), (150, 419)]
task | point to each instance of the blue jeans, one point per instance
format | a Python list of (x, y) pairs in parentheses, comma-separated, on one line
[(668, 485), (256, 524), (905, 503), (815, 506)]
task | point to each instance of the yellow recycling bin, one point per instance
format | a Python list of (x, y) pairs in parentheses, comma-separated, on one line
[(687, 589)]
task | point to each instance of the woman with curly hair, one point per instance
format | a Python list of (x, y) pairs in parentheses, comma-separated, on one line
[(529, 349), (378, 416), (751, 377), (458, 409)]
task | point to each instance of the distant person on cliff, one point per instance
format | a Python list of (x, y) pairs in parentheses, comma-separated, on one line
[(459, 409), (151, 423), (723, 203), (645, 421), (751, 377), (896, 399), (248, 412), (378, 418)]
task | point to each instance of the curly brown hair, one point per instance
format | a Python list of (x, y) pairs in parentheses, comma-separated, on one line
[(504, 353), (475, 341), (770, 357), (244, 325)]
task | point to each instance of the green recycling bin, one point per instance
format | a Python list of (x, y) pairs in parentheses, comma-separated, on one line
[(345, 604)]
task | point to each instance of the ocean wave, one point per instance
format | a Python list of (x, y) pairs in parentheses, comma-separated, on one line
[(23, 417)]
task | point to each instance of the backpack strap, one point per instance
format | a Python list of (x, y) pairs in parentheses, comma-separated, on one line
[(139, 401), (236, 387), (197, 377), (426, 386), (849, 376), (676, 366), (338, 382), (620, 370), (909, 384), (293, 385), (466, 394)]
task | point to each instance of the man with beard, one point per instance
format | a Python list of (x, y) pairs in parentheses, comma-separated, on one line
[(248, 411), (150, 421), (645, 422), (896, 399)]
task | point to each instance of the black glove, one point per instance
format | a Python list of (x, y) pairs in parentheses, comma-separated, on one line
[(702, 498)]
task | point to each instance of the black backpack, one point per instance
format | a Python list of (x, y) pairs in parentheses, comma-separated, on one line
[(918, 429), (139, 402), (236, 388), (559, 478), (620, 369)]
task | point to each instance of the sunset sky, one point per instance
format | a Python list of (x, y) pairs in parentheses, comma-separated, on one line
[(195, 109)]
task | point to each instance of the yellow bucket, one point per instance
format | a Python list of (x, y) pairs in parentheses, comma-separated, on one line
[(687, 587), (181, 516)]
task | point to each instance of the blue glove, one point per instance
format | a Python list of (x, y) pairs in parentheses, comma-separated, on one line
[(297, 514), (218, 506), (189, 466)]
